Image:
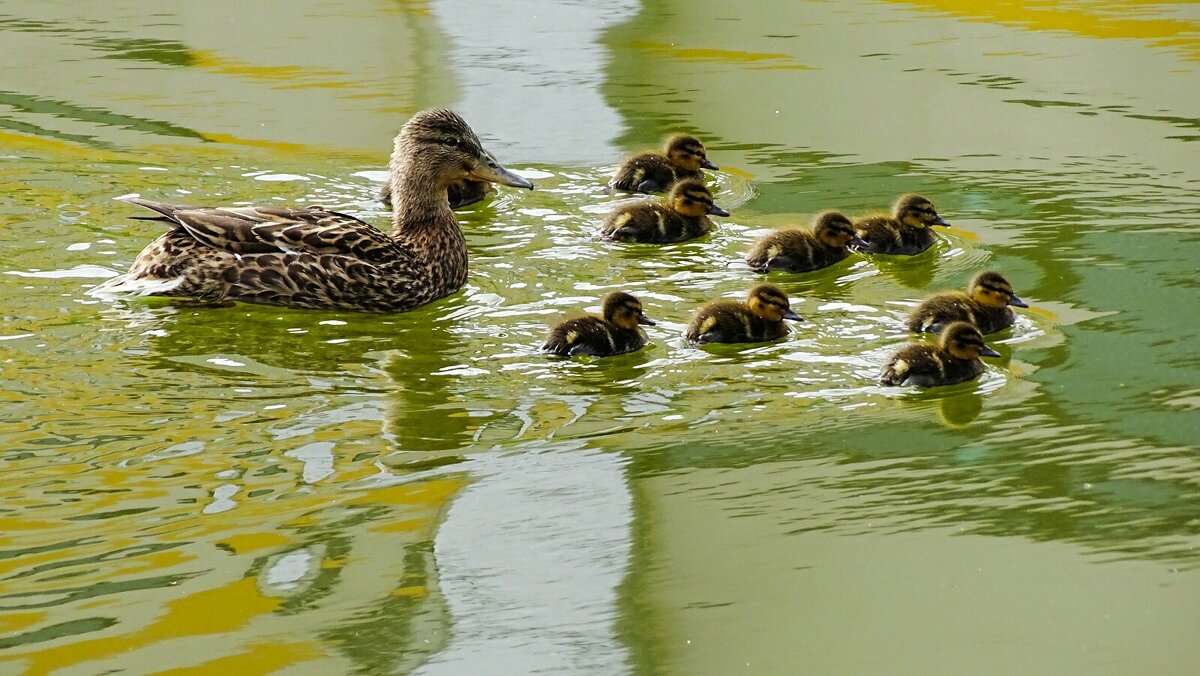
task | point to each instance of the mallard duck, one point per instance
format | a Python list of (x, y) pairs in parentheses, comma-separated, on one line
[(459, 193), (953, 360), (682, 157), (317, 258), (905, 232), (985, 304), (758, 319), (683, 215), (615, 332), (796, 250)]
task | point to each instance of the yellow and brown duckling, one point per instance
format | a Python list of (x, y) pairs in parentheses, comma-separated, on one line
[(986, 304), (682, 158), (906, 232), (317, 258), (758, 319), (797, 250), (617, 331), (954, 360), (683, 215)]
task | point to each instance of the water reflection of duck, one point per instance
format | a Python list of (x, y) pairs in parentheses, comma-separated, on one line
[(316, 258), (985, 304), (906, 231), (954, 360), (683, 215), (682, 158), (797, 250), (615, 332), (758, 319)]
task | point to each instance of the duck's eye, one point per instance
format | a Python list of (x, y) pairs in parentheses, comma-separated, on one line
[(450, 141)]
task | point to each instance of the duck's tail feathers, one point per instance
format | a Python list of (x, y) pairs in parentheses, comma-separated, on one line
[(135, 286)]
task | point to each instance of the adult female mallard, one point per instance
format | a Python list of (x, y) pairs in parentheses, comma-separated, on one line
[(322, 259)]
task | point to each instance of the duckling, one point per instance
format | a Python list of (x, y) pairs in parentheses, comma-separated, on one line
[(317, 258), (796, 250), (955, 359), (758, 319), (459, 193), (985, 304), (682, 157), (684, 215), (905, 232), (616, 332)]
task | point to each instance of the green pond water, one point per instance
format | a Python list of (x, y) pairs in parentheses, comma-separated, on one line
[(259, 490)]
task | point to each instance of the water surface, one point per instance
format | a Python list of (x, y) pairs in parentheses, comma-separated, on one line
[(256, 489)]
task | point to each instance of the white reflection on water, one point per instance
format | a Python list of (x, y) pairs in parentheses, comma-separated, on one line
[(530, 557), (497, 51)]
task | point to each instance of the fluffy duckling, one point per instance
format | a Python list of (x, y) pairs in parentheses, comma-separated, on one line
[(616, 332), (796, 250), (905, 232), (684, 215), (460, 193), (682, 157), (758, 319), (985, 304), (316, 258), (955, 359)]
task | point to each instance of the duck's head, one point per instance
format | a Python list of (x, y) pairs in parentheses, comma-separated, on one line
[(917, 211), (963, 341), (625, 311), (771, 303), (693, 198), (834, 229), (991, 289), (443, 143), (687, 152)]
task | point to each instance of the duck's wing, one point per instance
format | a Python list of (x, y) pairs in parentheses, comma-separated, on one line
[(257, 230)]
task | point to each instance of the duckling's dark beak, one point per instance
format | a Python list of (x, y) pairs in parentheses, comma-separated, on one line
[(858, 242), (1017, 302), (986, 351), (717, 211), (643, 319), (940, 221), (707, 164), (489, 169), (791, 314)]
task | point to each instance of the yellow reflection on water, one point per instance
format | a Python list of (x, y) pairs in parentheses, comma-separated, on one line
[(1139, 19)]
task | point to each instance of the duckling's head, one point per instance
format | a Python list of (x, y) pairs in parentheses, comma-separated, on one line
[(687, 153), (991, 289), (693, 199), (963, 341), (625, 311), (834, 229), (771, 303), (442, 143), (916, 211)]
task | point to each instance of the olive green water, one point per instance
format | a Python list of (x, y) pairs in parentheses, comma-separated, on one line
[(258, 490)]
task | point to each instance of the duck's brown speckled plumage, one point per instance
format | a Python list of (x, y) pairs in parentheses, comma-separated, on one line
[(459, 193), (322, 259), (682, 158), (616, 332), (797, 250), (682, 216), (986, 305), (758, 319), (905, 232), (953, 360)]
